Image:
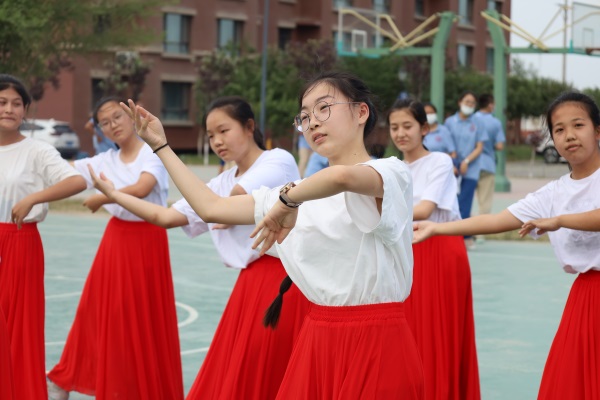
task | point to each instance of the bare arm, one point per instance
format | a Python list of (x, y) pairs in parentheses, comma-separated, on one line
[(423, 210), (140, 189), (586, 221), (235, 210), (65, 188), (478, 225)]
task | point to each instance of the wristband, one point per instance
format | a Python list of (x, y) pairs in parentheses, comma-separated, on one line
[(160, 147)]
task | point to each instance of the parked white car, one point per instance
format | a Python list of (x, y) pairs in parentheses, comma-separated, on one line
[(57, 133), (547, 150)]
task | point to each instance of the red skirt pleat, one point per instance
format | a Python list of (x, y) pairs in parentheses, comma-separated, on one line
[(246, 360), (7, 385), (354, 352), (22, 303), (124, 342), (439, 311), (572, 369)]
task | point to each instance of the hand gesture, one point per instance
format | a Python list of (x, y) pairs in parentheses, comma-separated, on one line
[(94, 202), (20, 211), (542, 225), (463, 168), (422, 230), (102, 183), (275, 226), (147, 126)]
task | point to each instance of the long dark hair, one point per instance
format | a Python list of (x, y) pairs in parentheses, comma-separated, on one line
[(584, 101), (10, 82), (350, 86), (240, 110)]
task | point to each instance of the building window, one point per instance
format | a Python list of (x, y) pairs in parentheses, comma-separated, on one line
[(97, 91), (176, 101), (464, 55), (346, 40), (382, 6), (102, 23), (489, 60), (465, 11), (177, 33), (285, 36), (229, 33), (495, 5), (419, 8), (342, 3)]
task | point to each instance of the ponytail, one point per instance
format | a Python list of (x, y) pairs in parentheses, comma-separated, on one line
[(274, 311)]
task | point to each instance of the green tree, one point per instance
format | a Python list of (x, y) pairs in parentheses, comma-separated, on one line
[(126, 76), (38, 38)]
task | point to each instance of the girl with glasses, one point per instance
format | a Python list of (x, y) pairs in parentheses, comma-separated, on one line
[(343, 236), (32, 173), (124, 341), (440, 307), (245, 360)]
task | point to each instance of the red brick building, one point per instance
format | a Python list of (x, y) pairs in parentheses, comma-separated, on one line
[(195, 27)]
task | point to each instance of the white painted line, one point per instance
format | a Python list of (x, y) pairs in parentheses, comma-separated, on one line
[(193, 314), (194, 351), (57, 296)]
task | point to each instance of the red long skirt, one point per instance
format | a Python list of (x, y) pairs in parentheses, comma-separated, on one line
[(573, 366), (22, 303), (354, 352), (246, 360), (7, 386), (124, 342), (439, 311)]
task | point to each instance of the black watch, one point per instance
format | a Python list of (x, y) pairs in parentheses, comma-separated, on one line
[(284, 197)]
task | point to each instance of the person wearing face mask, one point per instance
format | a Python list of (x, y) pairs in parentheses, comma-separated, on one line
[(438, 138), (468, 134), (496, 140)]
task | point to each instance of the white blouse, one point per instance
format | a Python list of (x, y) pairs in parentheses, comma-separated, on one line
[(577, 251), (27, 167), (342, 252), (126, 174), (434, 180), (273, 168)]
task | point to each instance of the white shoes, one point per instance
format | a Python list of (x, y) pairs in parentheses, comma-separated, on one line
[(55, 392)]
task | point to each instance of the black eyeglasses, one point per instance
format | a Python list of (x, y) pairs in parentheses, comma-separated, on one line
[(321, 111)]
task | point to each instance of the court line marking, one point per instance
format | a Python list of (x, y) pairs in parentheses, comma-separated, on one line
[(58, 296), (194, 351)]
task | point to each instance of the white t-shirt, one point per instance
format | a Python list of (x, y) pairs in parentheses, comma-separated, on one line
[(27, 167), (434, 180), (577, 251), (273, 168), (342, 252), (126, 174)]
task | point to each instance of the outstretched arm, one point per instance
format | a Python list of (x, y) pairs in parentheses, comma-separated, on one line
[(236, 210), (478, 225), (65, 188), (140, 189), (586, 221), (165, 217)]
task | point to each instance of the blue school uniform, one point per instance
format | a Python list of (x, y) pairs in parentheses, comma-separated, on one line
[(439, 140)]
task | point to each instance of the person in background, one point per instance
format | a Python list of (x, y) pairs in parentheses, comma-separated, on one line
[(304, 153), (495, 142), (316, 162), (438, 138), (468, 134), (101, 142)]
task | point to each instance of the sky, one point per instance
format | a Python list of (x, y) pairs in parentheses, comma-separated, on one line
[(533, 16)]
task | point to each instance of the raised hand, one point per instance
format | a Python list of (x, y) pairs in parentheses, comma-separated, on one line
[(542, 225), (275, 226), (147, 126), (102, 183), (422, 230)]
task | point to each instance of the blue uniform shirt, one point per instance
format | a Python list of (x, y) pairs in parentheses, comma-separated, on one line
[(315, 163), (493, 128), (466, 133), (439, 140)]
